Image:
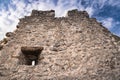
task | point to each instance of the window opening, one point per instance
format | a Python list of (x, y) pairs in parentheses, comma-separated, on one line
[(30, 55)]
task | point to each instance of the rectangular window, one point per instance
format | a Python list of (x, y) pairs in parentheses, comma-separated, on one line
[(30, 55)]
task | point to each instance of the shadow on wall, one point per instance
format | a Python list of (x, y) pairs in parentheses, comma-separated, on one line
[(30, 55)]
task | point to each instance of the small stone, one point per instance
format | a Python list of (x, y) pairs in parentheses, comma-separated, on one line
[(17, 26), (9, 34), (1, 47), (53, 49)]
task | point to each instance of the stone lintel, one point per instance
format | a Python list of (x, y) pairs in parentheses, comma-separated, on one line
[(28, 50)]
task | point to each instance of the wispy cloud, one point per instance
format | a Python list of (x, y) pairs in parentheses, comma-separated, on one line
[(114, 3), (108, 23)]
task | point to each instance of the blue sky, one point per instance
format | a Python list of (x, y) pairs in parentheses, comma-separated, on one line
[(106, 11)]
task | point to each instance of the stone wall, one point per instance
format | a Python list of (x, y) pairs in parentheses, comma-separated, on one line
[(75, 47)]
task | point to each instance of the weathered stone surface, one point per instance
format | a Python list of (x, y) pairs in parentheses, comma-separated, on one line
[(76, 47)]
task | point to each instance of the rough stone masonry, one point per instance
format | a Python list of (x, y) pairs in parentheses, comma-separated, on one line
[(45, 47)]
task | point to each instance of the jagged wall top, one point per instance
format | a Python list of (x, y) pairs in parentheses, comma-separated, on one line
[(76, 13), (51, 14)]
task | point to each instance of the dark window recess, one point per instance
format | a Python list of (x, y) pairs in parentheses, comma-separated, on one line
[(30, 55)]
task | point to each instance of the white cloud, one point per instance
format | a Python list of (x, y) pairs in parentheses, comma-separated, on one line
[(108, 23), (114, 3), (90, 10), (111, 24)]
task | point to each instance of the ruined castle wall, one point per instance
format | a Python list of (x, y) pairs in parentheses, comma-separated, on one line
[(75, 46)]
